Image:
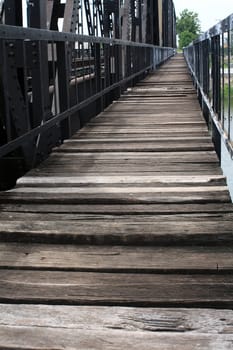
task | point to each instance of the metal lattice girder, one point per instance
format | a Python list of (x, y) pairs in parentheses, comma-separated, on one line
[(99, 7), (12, 12), (71, 16), (89, 17), (112, 18), (136, 20), (54, 76), (37, 14), (55, 10)]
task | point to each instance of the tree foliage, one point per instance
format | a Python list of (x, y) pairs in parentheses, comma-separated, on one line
[(185, 38), (188, 27)]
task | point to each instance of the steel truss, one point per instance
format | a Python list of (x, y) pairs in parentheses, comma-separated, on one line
[(52, 81)]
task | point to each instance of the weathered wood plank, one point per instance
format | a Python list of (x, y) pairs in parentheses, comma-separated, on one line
[(83, 288), (111, 189), (125, 233), (137, 147), (116, 258), (138, 134), (153, 119), (121, 209), (153, 157), (117, 195), (32, 216), (61, 181), (125, 107), (87, 327), (130, 170)]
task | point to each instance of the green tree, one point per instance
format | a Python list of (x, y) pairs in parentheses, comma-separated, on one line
[(188, 27), (185, 38)]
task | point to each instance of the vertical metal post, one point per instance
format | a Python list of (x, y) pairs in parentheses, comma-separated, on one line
[(63, 84), (13, 12), (37, 14), (229, 82), (215, 48)]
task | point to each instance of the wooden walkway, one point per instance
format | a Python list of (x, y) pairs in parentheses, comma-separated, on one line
[(122, 239)]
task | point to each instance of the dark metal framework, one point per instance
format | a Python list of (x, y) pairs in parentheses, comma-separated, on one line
[(169, 23), (148, 21), (53, 78), (49, 78), (210, 60)]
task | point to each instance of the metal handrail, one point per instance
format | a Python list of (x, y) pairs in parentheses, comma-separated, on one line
[(48, 77), (209, 59)]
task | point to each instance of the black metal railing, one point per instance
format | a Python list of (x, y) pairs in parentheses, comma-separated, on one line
[(51, 83), (210, 60)]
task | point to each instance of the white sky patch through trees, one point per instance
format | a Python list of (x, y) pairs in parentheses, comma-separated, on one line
[(210, 12)]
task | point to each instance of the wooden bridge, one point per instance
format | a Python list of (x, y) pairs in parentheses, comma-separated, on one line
[(123, 237)]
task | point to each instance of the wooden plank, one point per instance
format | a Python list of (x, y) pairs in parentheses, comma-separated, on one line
[(115, 190), (125, 166), (137, 147), (216, 209), (123, 233), (79, 180), (116, 258), (88, 288), (145, 140), (125, 107), (132, 162), (122, 195), (171, 157), (137, 134), (113, 217), (130, 170), (138, 155), (87, 327), (103, 136), (156, 119)]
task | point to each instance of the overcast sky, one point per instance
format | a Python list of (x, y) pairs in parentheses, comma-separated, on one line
[(210, 11)]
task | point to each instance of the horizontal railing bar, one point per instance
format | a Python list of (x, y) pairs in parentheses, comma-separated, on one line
[(14, 33), (221, 27), (46, 91)]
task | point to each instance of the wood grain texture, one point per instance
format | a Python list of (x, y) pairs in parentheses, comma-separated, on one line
[(120, 209), (88, 288), (125, 232), (116, 196), (116, 258), (62, 181), (132, 211), (87, 327)]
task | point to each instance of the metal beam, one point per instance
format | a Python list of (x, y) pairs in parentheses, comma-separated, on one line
[(13, 13)]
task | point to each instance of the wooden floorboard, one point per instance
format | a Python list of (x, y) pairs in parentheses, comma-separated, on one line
[(179, 259), (125, 232), (94, 327), (126, 289)]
